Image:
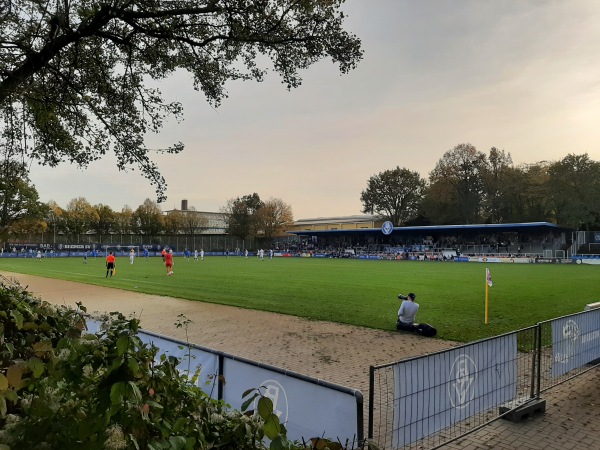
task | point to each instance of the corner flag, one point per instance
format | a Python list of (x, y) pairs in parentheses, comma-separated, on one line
[(488, 277)]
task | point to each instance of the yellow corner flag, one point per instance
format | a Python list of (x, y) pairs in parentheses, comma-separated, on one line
[(488, 285)]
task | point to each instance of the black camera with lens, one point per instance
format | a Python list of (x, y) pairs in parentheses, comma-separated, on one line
[(402, 297)]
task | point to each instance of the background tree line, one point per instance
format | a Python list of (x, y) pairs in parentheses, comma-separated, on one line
[(465, 186), (244, 217), (469, 186)]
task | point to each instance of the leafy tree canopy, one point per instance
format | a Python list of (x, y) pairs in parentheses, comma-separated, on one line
[(74, 74), (79, 216), (272, 216), (460, 174), (574, 190), (19, 200), (394, 194), (148, 218), (242, 215), (106, 218)]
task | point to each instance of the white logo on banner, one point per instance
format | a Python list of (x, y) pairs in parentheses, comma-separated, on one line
[(463, 375), (571, 334), (276, 393)]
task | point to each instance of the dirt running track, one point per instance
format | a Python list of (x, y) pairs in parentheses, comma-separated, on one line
[(336, 353)]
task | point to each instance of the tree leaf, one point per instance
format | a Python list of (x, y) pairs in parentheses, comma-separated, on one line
[(42, 348), (247, 392), (117, 392), (134, 367), (177, 442), (137, 395), (36, 366), (30, 326), (12, 395), (3, 382), (14, 376), (272, 426), (18, 318), (11, 349), (179, 424), (278, 444), (122, 345), (265, 407), (247, 402)]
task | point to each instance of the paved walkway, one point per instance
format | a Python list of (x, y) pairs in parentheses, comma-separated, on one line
[(336, 353)]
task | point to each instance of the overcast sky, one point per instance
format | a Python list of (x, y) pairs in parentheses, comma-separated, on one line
[(519, 75)]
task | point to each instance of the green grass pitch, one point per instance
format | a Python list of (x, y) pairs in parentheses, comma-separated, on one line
[(356, 292)]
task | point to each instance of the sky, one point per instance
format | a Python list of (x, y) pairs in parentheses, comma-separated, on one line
[(519, 75)]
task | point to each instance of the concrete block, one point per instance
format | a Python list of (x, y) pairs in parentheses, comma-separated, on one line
[(523, 408)]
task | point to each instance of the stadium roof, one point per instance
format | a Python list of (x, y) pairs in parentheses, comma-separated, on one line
[(531, 227)]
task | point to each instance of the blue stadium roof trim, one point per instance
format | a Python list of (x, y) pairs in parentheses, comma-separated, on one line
[(451, 229)]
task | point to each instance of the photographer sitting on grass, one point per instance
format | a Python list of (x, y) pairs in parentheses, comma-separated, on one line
[(406, 317)]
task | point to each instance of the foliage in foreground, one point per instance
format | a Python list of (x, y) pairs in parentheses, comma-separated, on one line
[(62, 388)]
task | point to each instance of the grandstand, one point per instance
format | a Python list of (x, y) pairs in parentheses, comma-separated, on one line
[(534, 239)]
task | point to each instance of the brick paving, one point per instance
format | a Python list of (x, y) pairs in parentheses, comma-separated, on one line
[(339, 354)]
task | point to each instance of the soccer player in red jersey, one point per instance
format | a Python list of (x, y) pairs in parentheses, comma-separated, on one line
[(169, 262)]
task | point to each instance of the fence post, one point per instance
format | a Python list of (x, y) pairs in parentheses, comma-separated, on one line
[(220, 378), (371, 399), (536, 351), (360, 424), (539, 361)]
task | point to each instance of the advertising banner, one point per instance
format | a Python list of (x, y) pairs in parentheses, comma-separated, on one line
[(439, 390), (575, 341), (306, 409)]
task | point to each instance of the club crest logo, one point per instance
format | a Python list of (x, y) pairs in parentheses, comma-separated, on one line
[(462, 383), (570, 334), (387, 228)]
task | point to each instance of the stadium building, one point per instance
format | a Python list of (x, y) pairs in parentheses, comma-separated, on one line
[(370, 234), (202, 222)]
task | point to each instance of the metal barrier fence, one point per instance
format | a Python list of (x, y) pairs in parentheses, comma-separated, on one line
[(309, 407), (429, 401), (570, 347)]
